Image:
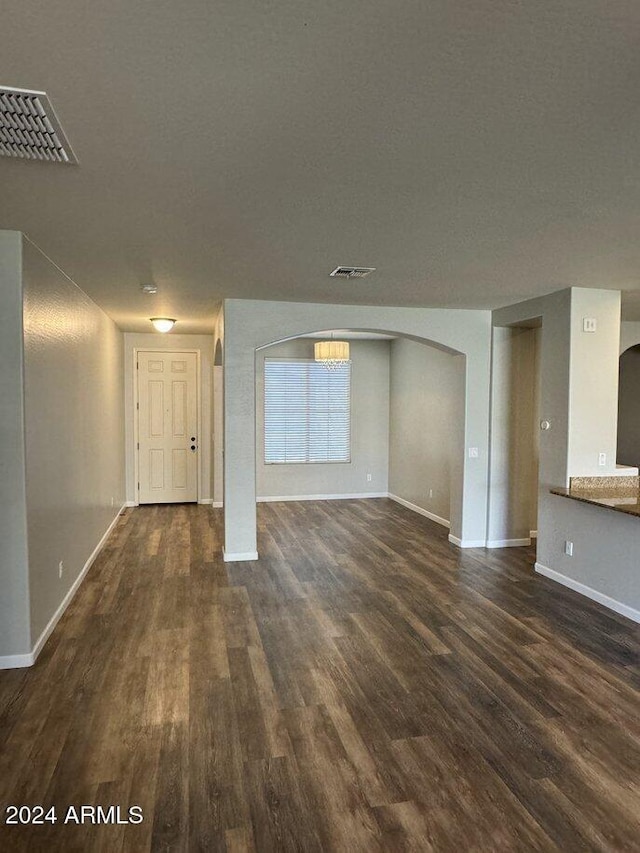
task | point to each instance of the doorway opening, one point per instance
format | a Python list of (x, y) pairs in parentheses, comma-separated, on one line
[(629, 408), (405, 431), (167, 425), (515, 435)]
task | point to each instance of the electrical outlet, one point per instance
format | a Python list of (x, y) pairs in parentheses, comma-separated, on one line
[(589, 324), (60, 568), (368, 478), (602, 459), (568, 548)]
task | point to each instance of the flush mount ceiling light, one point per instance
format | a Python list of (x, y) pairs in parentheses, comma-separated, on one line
[(149, 288), (331, 353), (163, 324), (351, 272), (29, 128)]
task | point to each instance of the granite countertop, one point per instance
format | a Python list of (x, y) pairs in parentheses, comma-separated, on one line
[(621, 496)]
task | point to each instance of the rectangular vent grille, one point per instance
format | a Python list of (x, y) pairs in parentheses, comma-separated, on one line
[(351, 272), (29, 128)]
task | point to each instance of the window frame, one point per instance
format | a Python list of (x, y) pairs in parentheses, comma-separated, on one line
[(298, 360)]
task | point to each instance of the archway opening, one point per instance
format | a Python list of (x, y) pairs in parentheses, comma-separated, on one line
[(629, 408), (406, 423)]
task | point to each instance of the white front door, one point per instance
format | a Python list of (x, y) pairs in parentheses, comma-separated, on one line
[(167, 427)]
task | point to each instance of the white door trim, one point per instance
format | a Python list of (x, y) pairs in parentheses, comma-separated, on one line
[(136, 452)]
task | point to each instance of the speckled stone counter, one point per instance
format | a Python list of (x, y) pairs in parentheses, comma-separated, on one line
[(618, 483), (618, 496)]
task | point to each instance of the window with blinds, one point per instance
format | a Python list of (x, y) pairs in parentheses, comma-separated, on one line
[(307, 412)]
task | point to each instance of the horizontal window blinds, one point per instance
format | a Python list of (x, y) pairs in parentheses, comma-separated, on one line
[(307, 412)]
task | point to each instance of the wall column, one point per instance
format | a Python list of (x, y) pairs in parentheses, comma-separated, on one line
[(240, 538)]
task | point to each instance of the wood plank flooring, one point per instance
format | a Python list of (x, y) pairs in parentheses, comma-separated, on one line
[(365, 686)]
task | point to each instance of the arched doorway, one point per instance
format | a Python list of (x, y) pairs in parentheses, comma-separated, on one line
[(629, 408), (405, 418), (250, 326)]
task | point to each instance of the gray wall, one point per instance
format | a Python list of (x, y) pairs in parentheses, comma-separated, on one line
[(217, 456), (251, 325), (15, 638), (629, 408), (629, 335), (426, 429), (369, 429), (606, 552), (515, 434), (74, 430), (606, 546), (555, 367)]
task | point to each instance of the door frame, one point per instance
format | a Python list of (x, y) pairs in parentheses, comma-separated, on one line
[(136, 415)]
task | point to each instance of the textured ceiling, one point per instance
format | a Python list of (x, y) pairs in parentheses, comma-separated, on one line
[(476, 153)]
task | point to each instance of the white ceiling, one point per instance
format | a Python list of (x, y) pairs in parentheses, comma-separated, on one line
[(476, 152)]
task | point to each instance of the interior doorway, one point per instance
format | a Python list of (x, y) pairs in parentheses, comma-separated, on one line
[(629, 408), (515, 435), (167, 426), (391, 427)]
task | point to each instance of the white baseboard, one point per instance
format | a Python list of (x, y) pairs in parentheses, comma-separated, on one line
[(355, 496), (507, 543), (467, 543), (205, 501), (217, 504), (420, 510), (15, 661), (131, 503), (533, 534), (239, 556), (589, 592)]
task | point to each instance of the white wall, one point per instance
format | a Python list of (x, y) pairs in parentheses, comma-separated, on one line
[(593, 400), (15, 634), (369, 429), (74, 430), (171, 341), (426, 420)]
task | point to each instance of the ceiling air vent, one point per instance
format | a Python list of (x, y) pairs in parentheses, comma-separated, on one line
[(351, 272), (29, 128)]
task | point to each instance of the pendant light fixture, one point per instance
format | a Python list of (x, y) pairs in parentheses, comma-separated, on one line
[(331, 353), (163, 324)]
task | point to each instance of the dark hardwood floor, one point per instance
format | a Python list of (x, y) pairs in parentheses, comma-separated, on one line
[(364, 686)]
